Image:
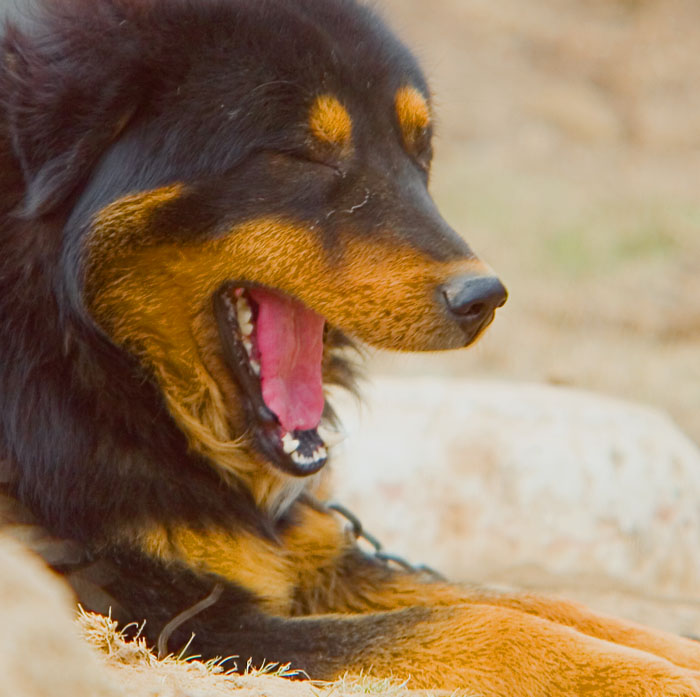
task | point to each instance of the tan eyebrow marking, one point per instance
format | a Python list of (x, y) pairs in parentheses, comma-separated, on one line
[(413, 113), (330, 121)]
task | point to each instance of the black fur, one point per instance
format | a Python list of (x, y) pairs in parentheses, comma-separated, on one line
[(102, 98)]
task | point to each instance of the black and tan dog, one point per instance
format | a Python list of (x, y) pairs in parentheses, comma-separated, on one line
[(200, 200)]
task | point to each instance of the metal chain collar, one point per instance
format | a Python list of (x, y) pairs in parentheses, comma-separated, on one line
[(356, 529)]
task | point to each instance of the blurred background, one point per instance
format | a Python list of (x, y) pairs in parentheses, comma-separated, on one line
[(568, 155)]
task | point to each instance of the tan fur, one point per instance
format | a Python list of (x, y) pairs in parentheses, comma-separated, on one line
[(496, 652), (413, 113), (245, 559), (155, 299), (682, 652), (497, 644), (131, 286), (330, 122), (299, 574), (274, 571)]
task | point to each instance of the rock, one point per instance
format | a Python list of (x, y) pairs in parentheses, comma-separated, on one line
[(527, 484), (40, 649)]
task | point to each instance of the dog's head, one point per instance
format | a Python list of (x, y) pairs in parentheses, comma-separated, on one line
[(241, 181)]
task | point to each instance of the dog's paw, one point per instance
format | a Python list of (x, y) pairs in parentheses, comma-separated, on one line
[(618, 672), (587, 667), (495, 651), (681, 651)]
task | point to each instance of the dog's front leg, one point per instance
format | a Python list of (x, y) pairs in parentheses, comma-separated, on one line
[(315, 578), (475, 649)]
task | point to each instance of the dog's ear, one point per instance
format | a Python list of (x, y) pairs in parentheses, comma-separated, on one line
[(71, 85)]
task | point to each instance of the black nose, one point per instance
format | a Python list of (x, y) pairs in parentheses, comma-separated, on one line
[(474, 299)]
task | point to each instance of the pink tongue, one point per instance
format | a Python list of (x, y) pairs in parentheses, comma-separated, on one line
[(290, 341)]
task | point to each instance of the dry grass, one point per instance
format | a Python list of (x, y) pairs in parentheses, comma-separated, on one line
[(133, 664)]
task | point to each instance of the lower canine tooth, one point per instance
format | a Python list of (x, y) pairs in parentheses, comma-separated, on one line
[(248, 346), (290, 444), (255, 366)]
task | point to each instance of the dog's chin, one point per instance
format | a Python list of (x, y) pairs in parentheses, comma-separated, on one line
[(273, 347)]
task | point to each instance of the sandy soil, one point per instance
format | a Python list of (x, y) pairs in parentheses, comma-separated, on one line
[(569, 156)]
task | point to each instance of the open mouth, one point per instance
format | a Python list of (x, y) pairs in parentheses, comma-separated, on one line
[(273, 345)]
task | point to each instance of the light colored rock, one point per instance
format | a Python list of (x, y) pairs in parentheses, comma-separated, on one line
[(41, 653), (527, 484)]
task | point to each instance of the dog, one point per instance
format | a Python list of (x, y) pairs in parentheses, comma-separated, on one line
[(204, 203)]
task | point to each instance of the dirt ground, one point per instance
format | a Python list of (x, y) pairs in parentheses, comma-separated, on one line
[(569, 157)]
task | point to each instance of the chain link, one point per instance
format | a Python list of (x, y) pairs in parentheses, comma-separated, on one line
[(356, 529)]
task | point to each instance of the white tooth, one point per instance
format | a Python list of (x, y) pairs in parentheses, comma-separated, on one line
[(243, 306), (243, 309), (247, 344), (297, 458), (321, 453), (255, 366), (245, 316), (331, 438), (289, 444)]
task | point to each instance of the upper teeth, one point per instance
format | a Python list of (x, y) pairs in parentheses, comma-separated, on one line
[(245, 316)]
